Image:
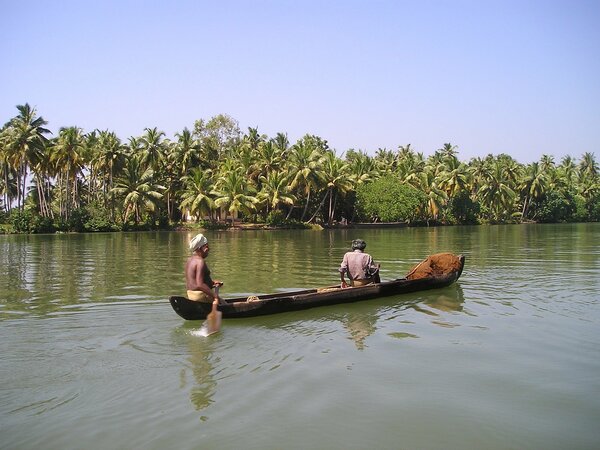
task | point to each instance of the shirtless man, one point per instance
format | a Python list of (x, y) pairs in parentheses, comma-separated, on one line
[(198, 282)]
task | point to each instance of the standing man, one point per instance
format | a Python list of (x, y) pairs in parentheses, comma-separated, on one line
[(198, 282), (360, 267)]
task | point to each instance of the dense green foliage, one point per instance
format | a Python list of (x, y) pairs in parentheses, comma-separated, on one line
[(388, 200), (214, 174)]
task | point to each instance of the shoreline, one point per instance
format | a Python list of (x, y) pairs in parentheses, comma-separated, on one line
[(264, 227)]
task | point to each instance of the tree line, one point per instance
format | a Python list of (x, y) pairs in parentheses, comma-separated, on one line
[(94, 181)]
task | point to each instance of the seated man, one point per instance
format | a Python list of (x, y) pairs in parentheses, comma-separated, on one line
[(360, 267)]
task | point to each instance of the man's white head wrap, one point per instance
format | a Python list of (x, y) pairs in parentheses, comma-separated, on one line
[(197, 242)]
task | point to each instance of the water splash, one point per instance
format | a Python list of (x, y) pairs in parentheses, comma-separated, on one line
[(200, 332)]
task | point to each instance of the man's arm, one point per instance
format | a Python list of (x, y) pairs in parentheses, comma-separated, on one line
[(343, 269)]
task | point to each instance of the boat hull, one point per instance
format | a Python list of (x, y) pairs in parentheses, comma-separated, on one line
[(310, 298)]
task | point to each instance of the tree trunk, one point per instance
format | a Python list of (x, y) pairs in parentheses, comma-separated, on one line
[(320, 206), (305, 207), (332, 213), (525, 205)]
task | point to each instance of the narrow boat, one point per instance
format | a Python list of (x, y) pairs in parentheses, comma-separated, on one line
[(436, 271)]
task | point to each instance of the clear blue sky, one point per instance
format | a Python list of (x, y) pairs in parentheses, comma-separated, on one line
[(517, 77)]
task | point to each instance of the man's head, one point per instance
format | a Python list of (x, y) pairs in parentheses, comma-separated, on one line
[(358, 244), (198, 242)]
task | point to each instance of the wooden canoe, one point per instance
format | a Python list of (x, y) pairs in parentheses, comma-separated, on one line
[(310, 298)]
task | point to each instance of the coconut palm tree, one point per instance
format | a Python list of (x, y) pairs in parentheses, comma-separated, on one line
[(453, 178), (305, 168), (196, 195), (8, 176), (337, 178), (253, 139), (275, 190), (533, 186), (67, 158), (478, 170), (361, 168), (385, 160), (547, 163), (588, 166), (496, 191), (108, 160), (268, 159), (43, 171), (281, 141), (153, 148), (187, 151), (427, 183), (136, 188), (24, 141), (233, 192), (568, 170), (410, 163)]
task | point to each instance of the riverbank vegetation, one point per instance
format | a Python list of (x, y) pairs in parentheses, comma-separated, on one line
[(208, 175)]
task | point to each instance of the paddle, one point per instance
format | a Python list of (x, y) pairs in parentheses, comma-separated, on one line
[(213, 320)]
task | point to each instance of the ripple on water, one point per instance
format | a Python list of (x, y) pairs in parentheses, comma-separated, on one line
[(514, 352)]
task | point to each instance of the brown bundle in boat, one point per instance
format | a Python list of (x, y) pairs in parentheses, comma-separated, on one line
[(435, 265)]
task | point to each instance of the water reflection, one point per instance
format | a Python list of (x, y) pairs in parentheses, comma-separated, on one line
[(200, 350), (360, 320), (432, 303), (360, 327), (450, 299)]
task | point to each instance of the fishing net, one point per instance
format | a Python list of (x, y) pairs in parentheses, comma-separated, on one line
[(435, 265)]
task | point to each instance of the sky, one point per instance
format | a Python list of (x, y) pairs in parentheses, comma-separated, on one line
[(516, 77)]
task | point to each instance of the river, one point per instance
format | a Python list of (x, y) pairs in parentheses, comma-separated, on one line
[(94, 357)]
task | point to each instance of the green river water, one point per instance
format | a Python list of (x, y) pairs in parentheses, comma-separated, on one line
[(93, 356)]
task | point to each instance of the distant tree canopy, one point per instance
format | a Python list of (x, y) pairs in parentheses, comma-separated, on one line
[(388, 200), (213, 172)]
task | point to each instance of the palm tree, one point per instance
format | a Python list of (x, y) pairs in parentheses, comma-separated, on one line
[(232, 192), (68, 161), (253, 139), (496, 192), (305, 168), (6, 170), (533, 185), (268, 159), (477, 172), (25, 142), (135, 186), (454, 178), (436, 197), (409, 162), (152, 148), (281, 141), (275, 190), (547, 163), (447, 156), (196, 195), (588, 166), (385, 160), (8, 176), (108, 160), (187, 150), (336, 175), (43, 171), (567, 169), (361, 167)]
